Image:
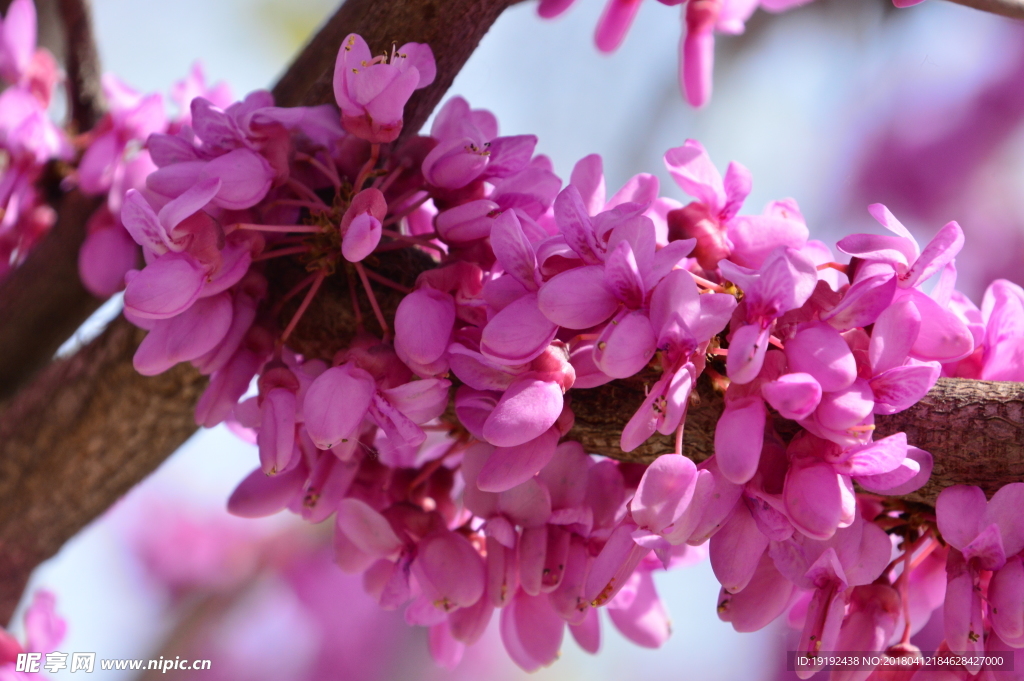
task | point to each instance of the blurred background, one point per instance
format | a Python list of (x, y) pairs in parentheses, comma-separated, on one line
[(837, 104)]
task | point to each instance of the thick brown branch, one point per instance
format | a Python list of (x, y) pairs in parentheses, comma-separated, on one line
[(43, 301), (87, 429), (82, 64), (974, 429)]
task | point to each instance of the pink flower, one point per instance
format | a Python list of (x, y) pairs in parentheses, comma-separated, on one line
[(713, 220), (372, 91)]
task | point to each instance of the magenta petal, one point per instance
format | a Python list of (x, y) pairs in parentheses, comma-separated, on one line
[(794, 396), (746, 353), (613, 565), (721, 497), (531, 553), (1004, 510), (813, 499), (187, 336), (698, 58), (910, 476), (336, 403), (845, 408), (513, 250), (361, 237), (664, 492), (646, 419), (450, 571), (276, 436), (820, 351), (508, 467), (644, 620), (962, 610), (577, 228), (588, 178), (623, 277), (444, 648), (189, 203), (164, 288), (502, 577), (565, 476), (367, 529), (959, 511), (141, 221), (260, 495), (902, 387), (626, 345), (942, 249), (739, 436), (874, 458), (736, 550), (525, 411), (763, 599), (517, 334), (862, 303), (105, 257), (587, 633), (531, 631), (893, 335), (421, 400), (423, 324), (944, 337), (578, 298), (692, 169), (245, 178), (1006, 599), (527, 504), (469, 624), (614, 23)]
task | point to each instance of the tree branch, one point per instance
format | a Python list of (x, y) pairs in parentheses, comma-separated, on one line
[(43, 301), (82, 64), (82, 434), (974, 429)]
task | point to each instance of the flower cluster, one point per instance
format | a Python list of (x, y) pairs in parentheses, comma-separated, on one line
[(29, 141), (116, 161), (438, 441)]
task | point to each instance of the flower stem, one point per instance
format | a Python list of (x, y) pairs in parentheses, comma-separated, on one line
[(361, 271), (319, 279)]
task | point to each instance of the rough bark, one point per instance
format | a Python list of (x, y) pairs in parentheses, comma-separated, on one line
[(87, 429), (82, 64), (974, 429), (43, 301)]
